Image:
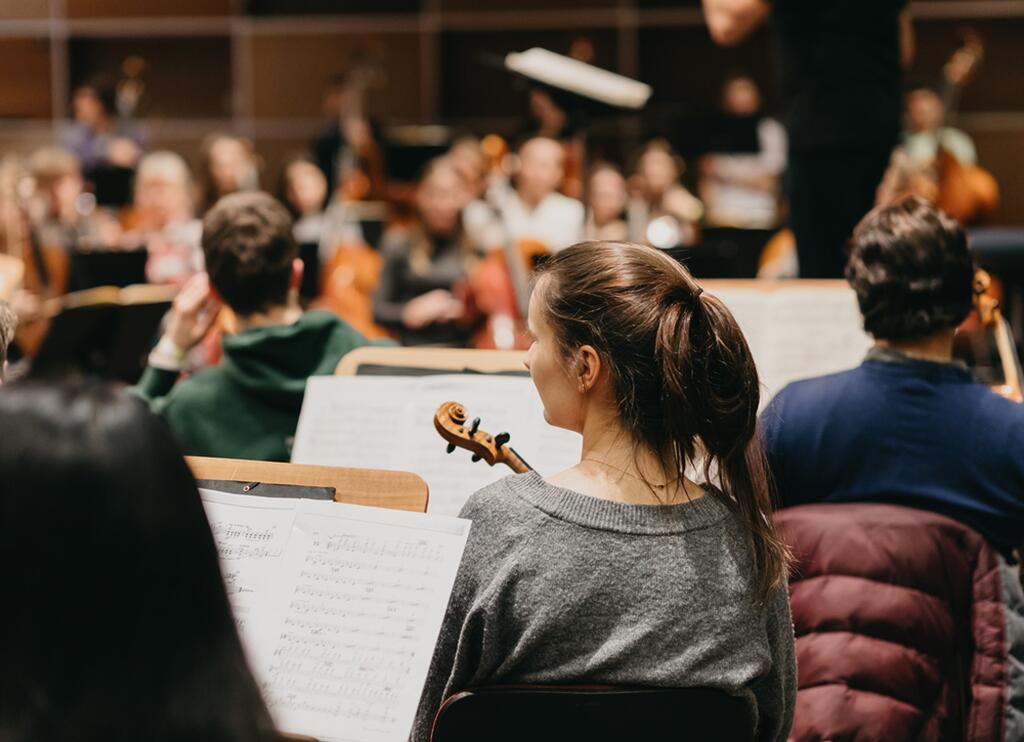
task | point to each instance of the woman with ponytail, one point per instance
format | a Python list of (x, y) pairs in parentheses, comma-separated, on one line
[(625, 569)]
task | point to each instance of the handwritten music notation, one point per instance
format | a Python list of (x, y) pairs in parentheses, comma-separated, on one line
[(251, 535), (353, 634), (339, 607)]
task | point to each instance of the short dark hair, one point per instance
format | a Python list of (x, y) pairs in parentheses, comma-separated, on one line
[(100, 516), (249, 249), (8, 323), (911, 269)]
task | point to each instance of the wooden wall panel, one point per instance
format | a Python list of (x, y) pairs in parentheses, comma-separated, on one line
[(24, 9), (1002, 152), (25, 88), (185, 78), (289, 72), (146, 8), (999, 84), (330, 7)]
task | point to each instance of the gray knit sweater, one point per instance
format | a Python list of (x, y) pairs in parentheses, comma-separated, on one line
[(559, 587)]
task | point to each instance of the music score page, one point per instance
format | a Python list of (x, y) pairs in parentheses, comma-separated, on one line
[(382, 422), (796, 332), (339, 607)]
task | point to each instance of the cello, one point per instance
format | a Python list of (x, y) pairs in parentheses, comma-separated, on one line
[(991, 317)]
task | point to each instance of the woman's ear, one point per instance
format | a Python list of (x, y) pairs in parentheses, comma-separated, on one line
[(589, 367)]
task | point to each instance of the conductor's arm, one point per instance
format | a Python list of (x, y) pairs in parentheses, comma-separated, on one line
[(732, 21)]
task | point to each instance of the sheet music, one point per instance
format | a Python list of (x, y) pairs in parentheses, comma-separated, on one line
[(798, 332), (347, 629), (340, 626), (252, 535), (388, 422)]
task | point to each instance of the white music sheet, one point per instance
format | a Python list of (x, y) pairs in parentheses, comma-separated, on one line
[(388, 423), (251, 534), (797, 332), (340, 628)]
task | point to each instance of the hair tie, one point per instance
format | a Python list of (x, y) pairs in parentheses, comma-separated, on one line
[(695, 299)]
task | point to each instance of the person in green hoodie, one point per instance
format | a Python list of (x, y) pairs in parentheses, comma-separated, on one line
[(248, 407)]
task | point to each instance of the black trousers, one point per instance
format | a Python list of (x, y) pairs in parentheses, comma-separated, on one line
[(829, 192)]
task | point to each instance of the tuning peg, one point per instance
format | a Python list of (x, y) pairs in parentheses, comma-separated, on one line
[(451, 448), (475, 457), (501, 439), (474, 426)]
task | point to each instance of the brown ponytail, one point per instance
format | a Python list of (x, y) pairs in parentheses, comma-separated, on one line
[(683, 375)]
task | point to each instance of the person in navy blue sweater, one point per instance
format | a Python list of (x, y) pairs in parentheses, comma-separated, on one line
[(909, 426)]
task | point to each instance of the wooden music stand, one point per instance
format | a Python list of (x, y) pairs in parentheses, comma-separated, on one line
[(12, 270), (455, 360), (397, 490)]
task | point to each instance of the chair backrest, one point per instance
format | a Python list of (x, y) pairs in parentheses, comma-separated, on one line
[(398, 490), (592, 714), (455, 360)]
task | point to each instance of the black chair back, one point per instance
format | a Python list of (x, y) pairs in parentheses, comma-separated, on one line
[(593, 714)]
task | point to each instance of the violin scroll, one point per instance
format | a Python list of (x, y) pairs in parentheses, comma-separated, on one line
[(452, 422)]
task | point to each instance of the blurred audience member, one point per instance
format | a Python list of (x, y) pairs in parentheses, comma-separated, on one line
[(606, 204), (229, 165), (739, 182), (424, 262), (662, 212)]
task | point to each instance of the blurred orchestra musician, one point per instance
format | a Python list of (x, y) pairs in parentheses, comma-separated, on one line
[(63, 219), (532, 209), (425, 262), (165, 219), (468, 157), (229, 165), (740, 177), (662, 212), (318, 232), (926, 130), (841, 66), (833, 438), (348, 150), (607, 198), (97, 137), (740, 182)]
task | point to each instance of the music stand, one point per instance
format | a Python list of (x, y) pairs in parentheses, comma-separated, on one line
[(105, 332)]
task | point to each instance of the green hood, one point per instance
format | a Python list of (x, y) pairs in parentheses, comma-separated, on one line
[(274, 362)]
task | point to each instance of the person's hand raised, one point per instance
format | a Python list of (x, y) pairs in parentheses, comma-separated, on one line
[(193, 313)]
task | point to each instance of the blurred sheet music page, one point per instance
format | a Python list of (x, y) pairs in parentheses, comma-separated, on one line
[(796, 332), (388, 423), (342, 627)]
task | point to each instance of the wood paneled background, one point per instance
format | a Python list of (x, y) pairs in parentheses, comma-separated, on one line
[(258, 66)]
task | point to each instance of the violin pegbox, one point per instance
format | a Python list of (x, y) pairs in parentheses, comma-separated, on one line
[(451, 422)]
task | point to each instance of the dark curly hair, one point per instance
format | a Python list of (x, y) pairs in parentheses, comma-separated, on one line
[(911, 269), (249, 249)]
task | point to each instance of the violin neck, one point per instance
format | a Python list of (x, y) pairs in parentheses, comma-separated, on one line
[(514, 461)]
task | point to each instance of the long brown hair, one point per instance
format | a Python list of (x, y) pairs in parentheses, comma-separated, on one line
[(684, 379)]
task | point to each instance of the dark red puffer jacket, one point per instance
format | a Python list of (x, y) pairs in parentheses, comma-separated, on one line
[(901, 626)]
